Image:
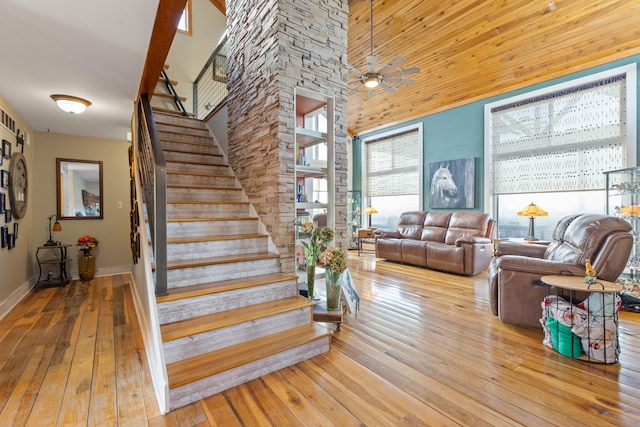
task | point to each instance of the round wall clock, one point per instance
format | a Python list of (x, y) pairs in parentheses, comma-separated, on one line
[(18, 185)]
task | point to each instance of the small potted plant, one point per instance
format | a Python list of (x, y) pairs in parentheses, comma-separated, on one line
[(86, 261)]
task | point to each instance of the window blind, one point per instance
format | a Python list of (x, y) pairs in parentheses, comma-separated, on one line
[(393, 164), (561, 141)]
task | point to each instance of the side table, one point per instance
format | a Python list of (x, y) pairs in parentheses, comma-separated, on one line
[(594, 321), (56, 257), (365, 235)]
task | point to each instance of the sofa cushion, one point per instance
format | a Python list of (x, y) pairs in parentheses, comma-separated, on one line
[(390, 249), (441, 256), (410, 224), (467, 224), (414, 252), (435, 227)]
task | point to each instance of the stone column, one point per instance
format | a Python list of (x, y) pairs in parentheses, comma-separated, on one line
[(273, 47)]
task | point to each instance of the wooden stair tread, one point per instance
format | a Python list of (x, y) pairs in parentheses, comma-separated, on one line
[(209, 364), (190, 143), (160, 121), (191, 152), (195, 132), (196, 202), (224, 286), (186, 162), (205, 187), (163, 81), (224, 259), (214, 219), (223, 319), (216, 238), (172, 112), (202, 174), (168, 96)]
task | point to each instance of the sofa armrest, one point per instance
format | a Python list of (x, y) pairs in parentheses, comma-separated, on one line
[(381, 234), (532, 250), (537, 266), (472, 240)]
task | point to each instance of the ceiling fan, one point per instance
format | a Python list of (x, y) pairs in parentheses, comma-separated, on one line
[(389, 74)]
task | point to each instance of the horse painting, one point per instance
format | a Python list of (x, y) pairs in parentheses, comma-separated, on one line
[(452, 184)]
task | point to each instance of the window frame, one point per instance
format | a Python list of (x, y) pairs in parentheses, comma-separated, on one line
[(188, 20)]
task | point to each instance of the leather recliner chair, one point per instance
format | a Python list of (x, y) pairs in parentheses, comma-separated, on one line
[(515, 290)]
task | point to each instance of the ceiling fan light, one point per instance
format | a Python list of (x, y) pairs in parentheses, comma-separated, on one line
[(71, 104), (371, 81)]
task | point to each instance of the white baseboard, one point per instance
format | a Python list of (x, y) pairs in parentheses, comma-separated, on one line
[(16, 296)]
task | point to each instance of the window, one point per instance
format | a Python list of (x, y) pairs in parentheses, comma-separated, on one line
[(184, 25), (551, 147), (392, 181)]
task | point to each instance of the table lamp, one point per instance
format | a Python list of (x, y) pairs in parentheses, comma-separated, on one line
[(532, 211), (369, 211), (56, 227)]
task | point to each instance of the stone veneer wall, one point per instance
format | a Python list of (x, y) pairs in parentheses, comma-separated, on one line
[(275, 46)]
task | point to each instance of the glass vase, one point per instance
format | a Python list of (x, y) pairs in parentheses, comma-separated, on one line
[(333, 282), (311, 276), (86, 266)]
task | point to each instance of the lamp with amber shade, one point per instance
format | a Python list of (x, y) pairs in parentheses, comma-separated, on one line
[(369, 211), (532, 211), (56, 227)]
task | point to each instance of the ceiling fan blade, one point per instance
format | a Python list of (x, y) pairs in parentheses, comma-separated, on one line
[(388, 88), (401, 81), (371, 63), (396, 61), (410, 70), (354, 90), (372, 93), (354, 70)]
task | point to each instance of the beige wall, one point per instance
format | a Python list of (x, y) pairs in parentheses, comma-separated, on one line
[(16, 265), (113, 254)]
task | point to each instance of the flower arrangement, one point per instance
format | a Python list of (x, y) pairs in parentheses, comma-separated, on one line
[(87, 243), (316, 238), (334, 259)]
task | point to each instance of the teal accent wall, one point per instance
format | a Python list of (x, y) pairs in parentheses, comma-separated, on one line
[(459, 132)]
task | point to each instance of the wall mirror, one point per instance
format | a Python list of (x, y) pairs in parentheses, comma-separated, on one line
[(79, 189)]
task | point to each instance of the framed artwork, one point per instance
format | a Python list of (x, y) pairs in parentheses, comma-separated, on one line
[(15, 231), (4, 179), (6, 149), (351, 297), (3, 202), (452, 184), (11, 241), (20, 138), (7, 215), (4, 231), (220, 68)]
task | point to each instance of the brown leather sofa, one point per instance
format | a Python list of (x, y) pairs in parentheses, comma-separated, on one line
[(458, 242), (515, 290)]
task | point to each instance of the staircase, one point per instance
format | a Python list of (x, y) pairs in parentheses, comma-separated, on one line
[(231, 314)]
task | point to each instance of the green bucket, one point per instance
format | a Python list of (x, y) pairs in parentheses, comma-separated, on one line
[(564, 341)]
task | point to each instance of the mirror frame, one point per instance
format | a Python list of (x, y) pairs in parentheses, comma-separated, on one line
[(59, 207)]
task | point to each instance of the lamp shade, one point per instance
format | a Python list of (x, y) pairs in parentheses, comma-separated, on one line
[(370, 210), (57, 226), (532, 210), (71, 104)]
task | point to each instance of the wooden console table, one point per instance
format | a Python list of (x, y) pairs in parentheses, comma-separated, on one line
[(365, 235), (56, 257)]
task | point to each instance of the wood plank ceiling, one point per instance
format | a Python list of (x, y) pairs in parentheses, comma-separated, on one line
[(469, 50)]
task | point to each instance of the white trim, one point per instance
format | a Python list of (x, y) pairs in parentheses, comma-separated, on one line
[(16, 296), (631, 86)]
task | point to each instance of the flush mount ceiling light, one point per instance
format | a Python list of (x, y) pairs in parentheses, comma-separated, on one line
[(71, 104)]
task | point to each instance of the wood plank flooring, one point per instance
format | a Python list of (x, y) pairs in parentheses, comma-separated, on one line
[(423, 350)]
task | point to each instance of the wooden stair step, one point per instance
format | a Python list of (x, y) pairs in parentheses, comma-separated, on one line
[(210, 322), (202, 174), (227, 259), (180, 130), (213, 219), (183, 162), (164, 81), (195, 154), (209, 364), (182, 202), (162, 120), (217, 238), (172, 112), (168, 96), (224, 286)]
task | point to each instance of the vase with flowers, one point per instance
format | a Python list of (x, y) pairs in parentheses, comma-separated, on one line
[(86, 261), (312, 242), (335, 263)]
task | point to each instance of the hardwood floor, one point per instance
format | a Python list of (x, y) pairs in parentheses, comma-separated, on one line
[(424, 349)]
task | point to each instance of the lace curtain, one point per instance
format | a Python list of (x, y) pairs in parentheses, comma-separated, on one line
[(561, 141)]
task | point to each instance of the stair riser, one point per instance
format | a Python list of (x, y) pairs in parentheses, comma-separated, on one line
[(173, 311), (205, 274), (206, 210), (177, 251), (191, 148), (199, 180), (188, 167), (189, 130), (189, 393), (199, 158), (178, 120), (173, 136), (182, 230), (216, 339), (203, 195)]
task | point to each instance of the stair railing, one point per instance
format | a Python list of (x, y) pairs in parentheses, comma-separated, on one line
[(172, 92), (153, 180), (210, 87)]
